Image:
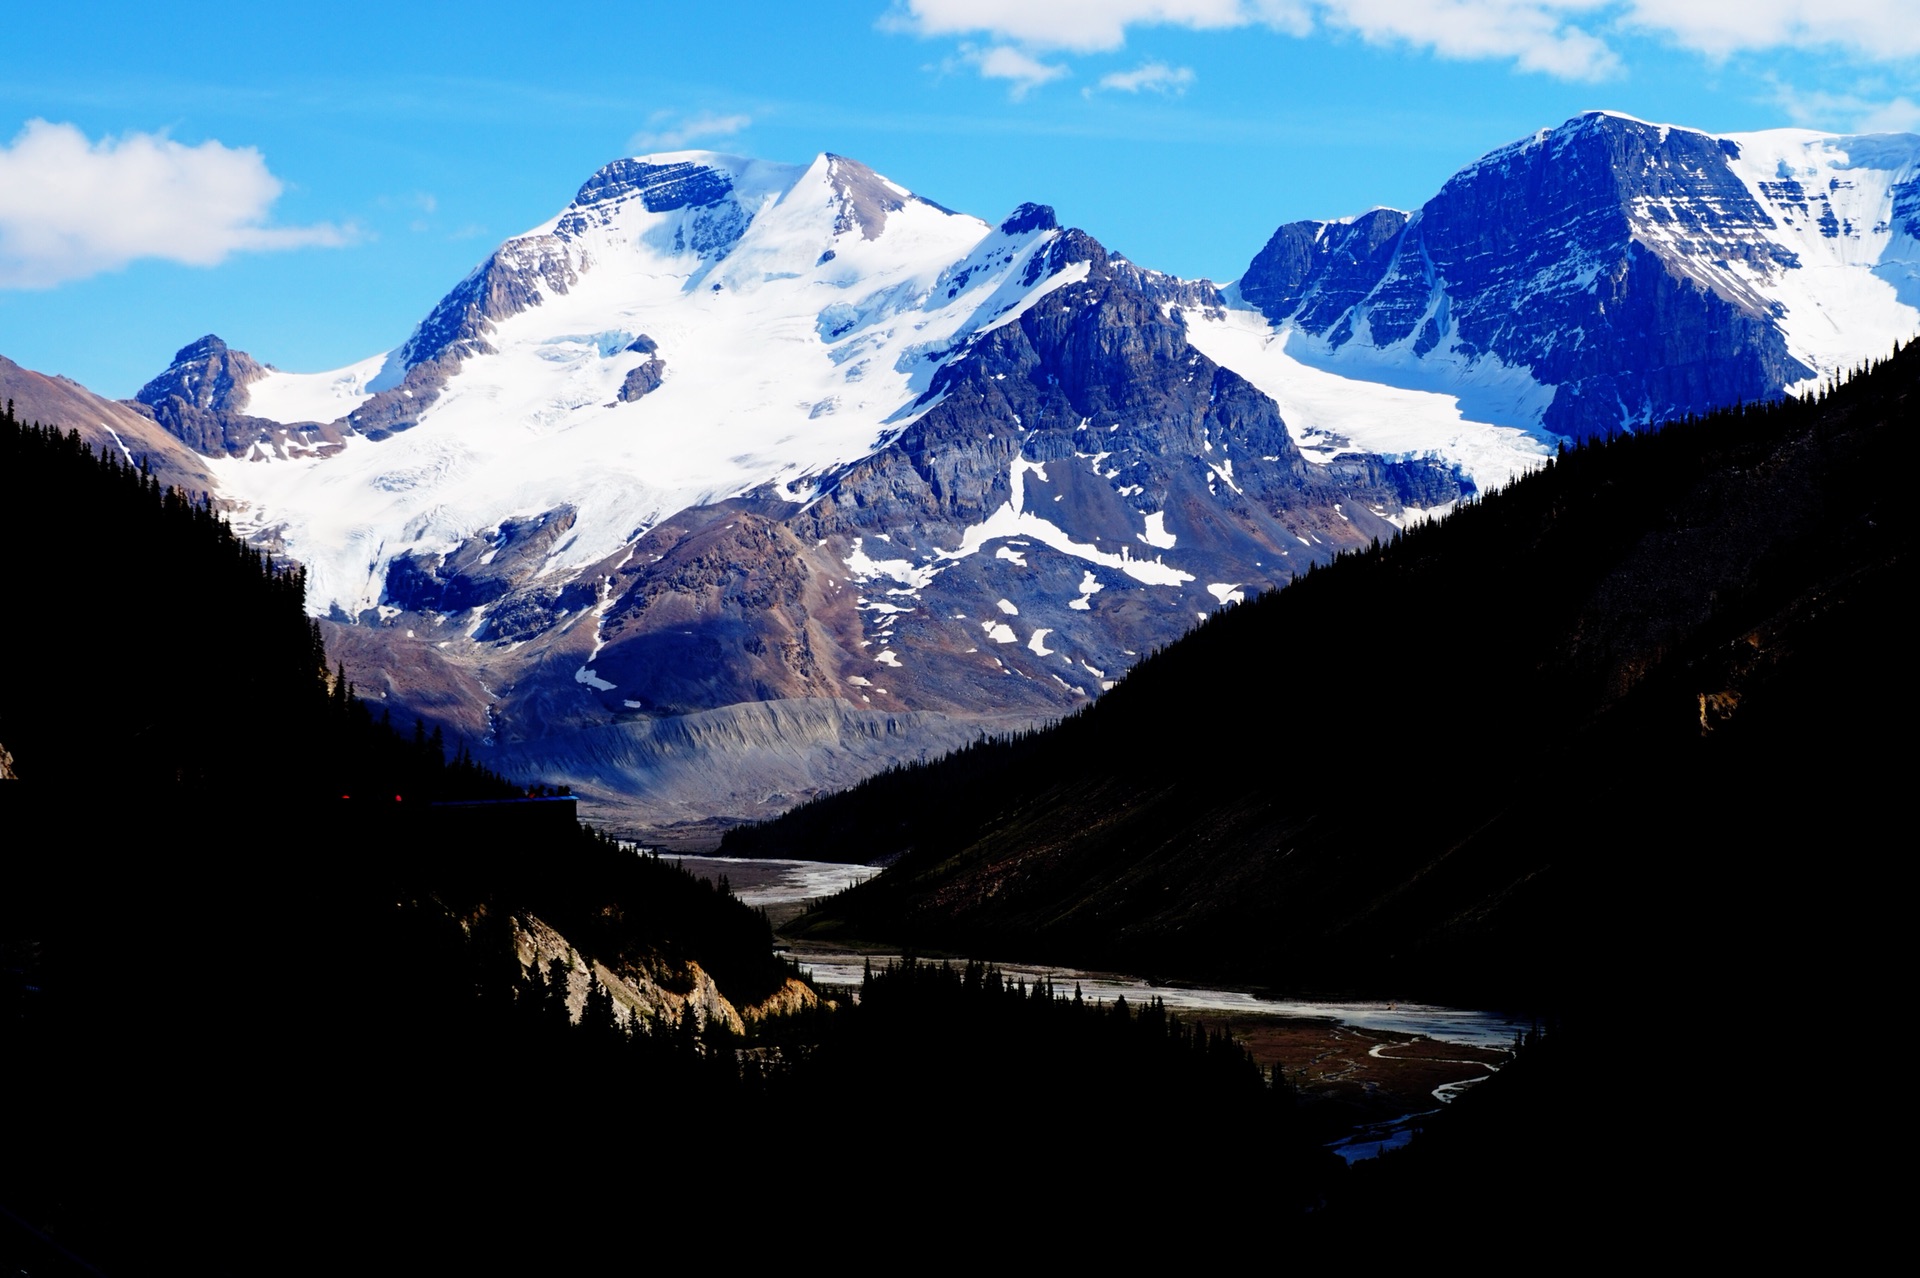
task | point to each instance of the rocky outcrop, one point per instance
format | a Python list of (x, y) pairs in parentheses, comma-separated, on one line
[(653, 995), (794, 996), (6, 765), (646, 378), (201, 399), (482, 570)]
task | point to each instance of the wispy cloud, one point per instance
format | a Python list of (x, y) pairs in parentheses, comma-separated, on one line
[(1076, 26), (1567, 39), (671, 130), (71, 207), (1871, 30), (1148, 77), (1866, 109), (1023, 72)]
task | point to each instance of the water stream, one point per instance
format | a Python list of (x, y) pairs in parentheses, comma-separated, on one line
[(783, 886)]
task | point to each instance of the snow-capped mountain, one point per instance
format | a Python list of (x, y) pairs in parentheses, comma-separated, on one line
[(1609, 274), (740, 456), (735, 479)]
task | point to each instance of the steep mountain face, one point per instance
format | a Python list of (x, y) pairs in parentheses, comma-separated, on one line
[(726, 435), (1632, 272)]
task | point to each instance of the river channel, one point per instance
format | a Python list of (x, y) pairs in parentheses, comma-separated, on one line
[(1386, 1065)]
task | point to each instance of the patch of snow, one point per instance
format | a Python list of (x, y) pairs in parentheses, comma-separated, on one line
[(313, 397), (1156, 534), (1037, 644), (1006, 606), (586, 675), (998, 631), (865, 568), (1089, 587), (1484, 421), (1012, 520), (1225, 593)]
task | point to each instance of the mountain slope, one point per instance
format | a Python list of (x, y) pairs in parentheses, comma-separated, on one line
[(1610, 274), (1647, 680), (105, 424)]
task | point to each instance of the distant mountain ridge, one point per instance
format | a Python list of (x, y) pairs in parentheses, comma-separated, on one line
[(725, 436), (1636, 272)]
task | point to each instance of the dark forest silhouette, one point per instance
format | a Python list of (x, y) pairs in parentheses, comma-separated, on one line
[(264, 1008), (1643, 679)]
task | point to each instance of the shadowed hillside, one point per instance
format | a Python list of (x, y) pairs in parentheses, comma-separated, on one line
[(1576, 733)]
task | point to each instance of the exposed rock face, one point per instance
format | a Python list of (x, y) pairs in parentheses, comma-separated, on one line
[(201, 399), (6, 765), (482, 570), (865, 197), (1627, 265), (643, 380), (646, 994), (205, 376)]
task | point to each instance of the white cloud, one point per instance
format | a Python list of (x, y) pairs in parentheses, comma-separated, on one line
[(1902, 115), (1150, 77), (1862, 111), (1562, 38), (670, 130), (1003, 62), (1079, 26), (71, 207), (1537, 35), (1876, 30)]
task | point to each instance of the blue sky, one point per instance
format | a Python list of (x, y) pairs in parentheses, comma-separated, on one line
[(307, 184)]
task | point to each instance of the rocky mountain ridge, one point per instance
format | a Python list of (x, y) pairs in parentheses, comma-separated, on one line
[(1634, 272)]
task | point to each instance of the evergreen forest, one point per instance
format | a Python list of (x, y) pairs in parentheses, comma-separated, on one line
[(273, 1000)]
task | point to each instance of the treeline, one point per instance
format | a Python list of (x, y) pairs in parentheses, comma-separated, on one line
[(147, 647), (967, 1076)]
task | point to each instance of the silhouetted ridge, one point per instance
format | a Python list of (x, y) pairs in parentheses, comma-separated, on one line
[(1442, 755)]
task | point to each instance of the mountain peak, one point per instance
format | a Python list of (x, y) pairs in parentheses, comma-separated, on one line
[(1030, 217), (207, 346), (207, 375), (662, 183)]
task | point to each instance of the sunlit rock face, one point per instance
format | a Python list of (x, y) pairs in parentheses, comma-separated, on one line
[(1637, 272)]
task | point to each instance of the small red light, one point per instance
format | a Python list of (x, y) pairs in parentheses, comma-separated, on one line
[(396, 798)]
